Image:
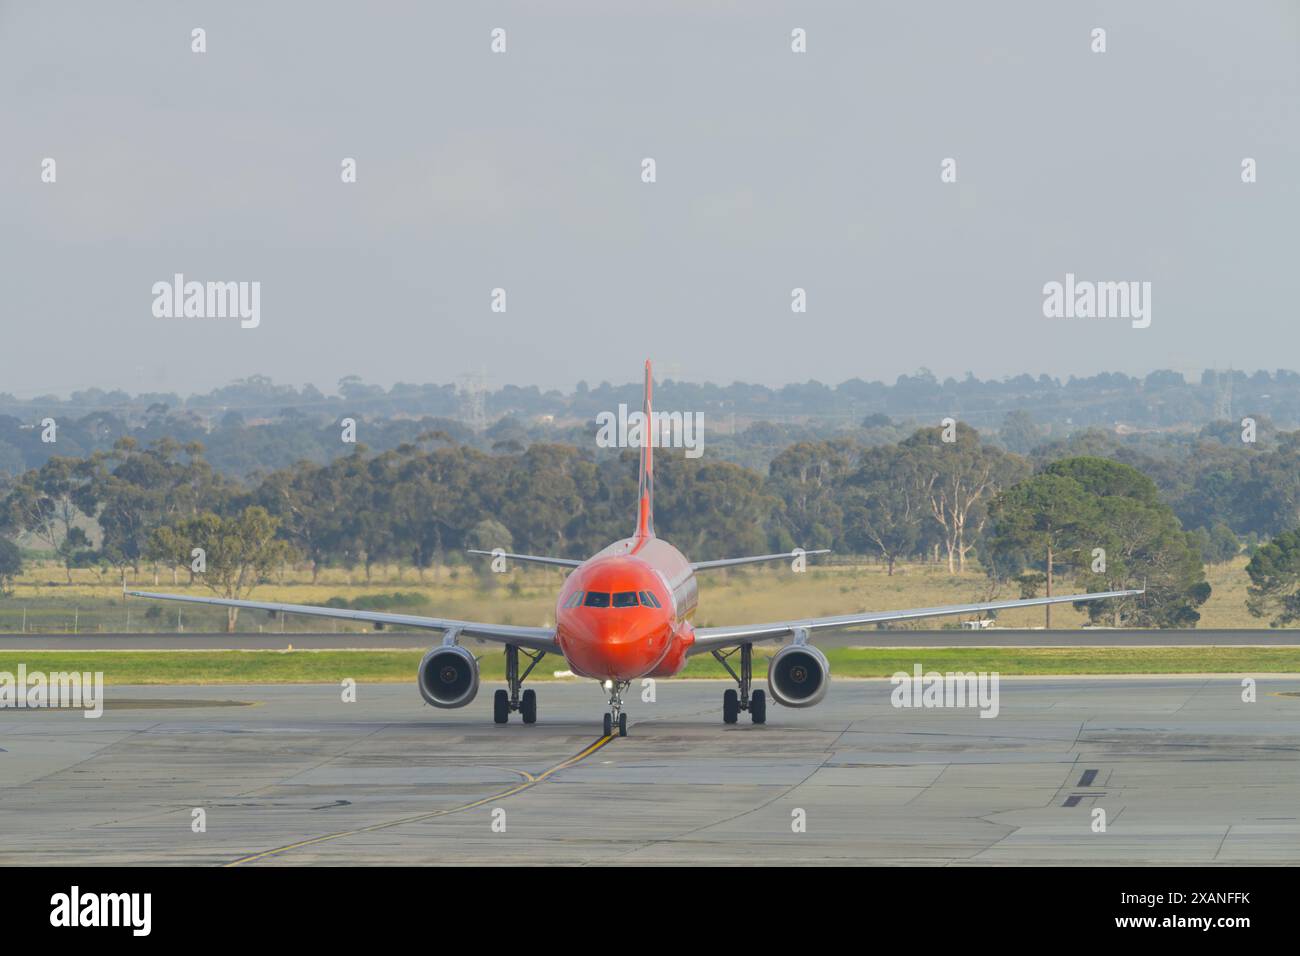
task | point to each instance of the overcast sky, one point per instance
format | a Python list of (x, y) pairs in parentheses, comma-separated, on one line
[(522, 170)]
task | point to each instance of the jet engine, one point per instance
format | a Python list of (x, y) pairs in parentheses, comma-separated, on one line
[(798, 675), (448, 676)]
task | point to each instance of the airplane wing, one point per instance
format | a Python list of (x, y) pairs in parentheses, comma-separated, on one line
[(752, 559), (533, 638), (715, 638), (534, 558)]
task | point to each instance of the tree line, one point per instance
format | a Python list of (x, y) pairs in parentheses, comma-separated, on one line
[(1161, 398), (942, 495)]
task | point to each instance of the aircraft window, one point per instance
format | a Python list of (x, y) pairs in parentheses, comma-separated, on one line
[(597, 599), (649, 600), (625, 599), (574, 599)]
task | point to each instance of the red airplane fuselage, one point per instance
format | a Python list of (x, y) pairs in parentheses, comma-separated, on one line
[(606, 620)]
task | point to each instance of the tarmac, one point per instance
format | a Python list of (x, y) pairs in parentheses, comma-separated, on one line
[(1185, 771)]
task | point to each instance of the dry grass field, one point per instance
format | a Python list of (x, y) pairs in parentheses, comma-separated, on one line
[(42, 601)]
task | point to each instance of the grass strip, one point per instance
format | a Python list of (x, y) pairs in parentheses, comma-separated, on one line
[(307, 666)]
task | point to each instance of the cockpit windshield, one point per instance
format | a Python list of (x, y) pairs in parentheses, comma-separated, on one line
[(617, 599)]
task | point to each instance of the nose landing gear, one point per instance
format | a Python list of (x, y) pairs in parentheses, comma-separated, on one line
[(733, 701), (615, 717)]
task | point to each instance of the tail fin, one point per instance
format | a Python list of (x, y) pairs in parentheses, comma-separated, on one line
[(645, 523)]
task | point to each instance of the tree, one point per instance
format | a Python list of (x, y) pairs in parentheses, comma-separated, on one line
[(303, 500), (1106, 478), (547, 491), (713, 509), (75, 551), (958, 478), (1222, 484), (1019, 434), (1143, 546), (885, 505), (439, 497), (1275, 580), (1043, 514), (11, 564), (806, 476), (238, 552), (43, 503), (488, 535), (1272, 495), (130, 491), (1110, 525), (1216, 544)]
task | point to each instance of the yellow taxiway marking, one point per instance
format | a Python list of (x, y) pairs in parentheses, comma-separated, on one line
[(529, 781)]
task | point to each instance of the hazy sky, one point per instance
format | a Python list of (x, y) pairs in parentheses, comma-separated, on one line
[(775, 170)]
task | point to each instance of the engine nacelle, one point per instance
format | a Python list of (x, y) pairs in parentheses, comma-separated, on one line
[(798, 675), (448, 676)]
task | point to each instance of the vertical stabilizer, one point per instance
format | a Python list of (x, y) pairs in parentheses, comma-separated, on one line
[(645, 522)]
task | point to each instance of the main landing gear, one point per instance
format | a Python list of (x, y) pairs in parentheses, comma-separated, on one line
[(734, 702), (503, 702), (615, 717)]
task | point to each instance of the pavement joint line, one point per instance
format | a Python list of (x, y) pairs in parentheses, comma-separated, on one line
[(509, 792)]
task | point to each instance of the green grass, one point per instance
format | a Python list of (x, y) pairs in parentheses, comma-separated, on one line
[(252, 667)]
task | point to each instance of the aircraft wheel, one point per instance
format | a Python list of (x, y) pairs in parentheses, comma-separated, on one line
[(528, 706), (500, 707), (622, 725), (609, 724), (758, 707), (730, 707)]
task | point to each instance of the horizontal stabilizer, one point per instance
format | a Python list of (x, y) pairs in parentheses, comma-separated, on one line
[(753, 559), (534, 558)]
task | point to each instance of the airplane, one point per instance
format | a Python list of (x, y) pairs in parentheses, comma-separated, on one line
[(625, 614)]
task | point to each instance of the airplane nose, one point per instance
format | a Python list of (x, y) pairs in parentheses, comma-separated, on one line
[(614, 652)]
